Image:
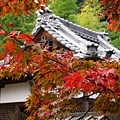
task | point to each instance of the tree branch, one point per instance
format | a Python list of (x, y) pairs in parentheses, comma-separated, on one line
[(84, 98), (58, 62), (82, 117)]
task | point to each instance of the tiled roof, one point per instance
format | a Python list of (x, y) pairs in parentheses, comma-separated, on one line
[(73, 36)]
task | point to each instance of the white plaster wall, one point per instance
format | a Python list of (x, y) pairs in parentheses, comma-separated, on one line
[(14, 93)]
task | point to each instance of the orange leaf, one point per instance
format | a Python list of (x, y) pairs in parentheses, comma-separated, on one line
[(26, 37), (1, 4), (10, 46)]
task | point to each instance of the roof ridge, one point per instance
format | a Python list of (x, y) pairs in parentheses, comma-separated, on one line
[(79, 25), (84, 30)]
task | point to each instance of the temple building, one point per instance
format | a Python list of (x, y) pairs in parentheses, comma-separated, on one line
[(55, 31)]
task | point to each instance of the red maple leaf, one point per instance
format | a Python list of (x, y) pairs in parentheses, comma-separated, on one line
[(2, 32), (11, 24), (74, 80), (103, 1), (106, 72), (19, 56), (26, 37)]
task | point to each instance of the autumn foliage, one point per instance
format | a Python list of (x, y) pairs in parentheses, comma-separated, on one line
[(111, 9), (58, 77), (19, 6)]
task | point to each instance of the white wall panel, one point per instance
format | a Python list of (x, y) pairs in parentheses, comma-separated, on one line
[(14, 93)]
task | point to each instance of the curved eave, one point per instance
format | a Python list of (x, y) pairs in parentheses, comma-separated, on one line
[(72, 36)]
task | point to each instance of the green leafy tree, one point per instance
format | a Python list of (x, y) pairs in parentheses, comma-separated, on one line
[(65, 8), (23, 23), (89, 15), (115, 39)]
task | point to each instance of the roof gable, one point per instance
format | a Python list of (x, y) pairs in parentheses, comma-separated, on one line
[(73, 36)]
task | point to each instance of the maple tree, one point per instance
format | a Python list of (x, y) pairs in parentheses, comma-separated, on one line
[(58, 77), (111, 10), (19, 6)]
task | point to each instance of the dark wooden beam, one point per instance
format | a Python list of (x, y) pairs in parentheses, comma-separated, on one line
[(5, 81)]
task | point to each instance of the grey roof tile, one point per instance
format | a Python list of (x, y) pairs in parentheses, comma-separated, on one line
[(47, 29), (69, 45), (44, 26), (64, 42), (60, 39), (56, 35)]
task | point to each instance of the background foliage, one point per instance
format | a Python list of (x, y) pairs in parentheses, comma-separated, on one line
[(89, 17), (65, 8), (23, 23)]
